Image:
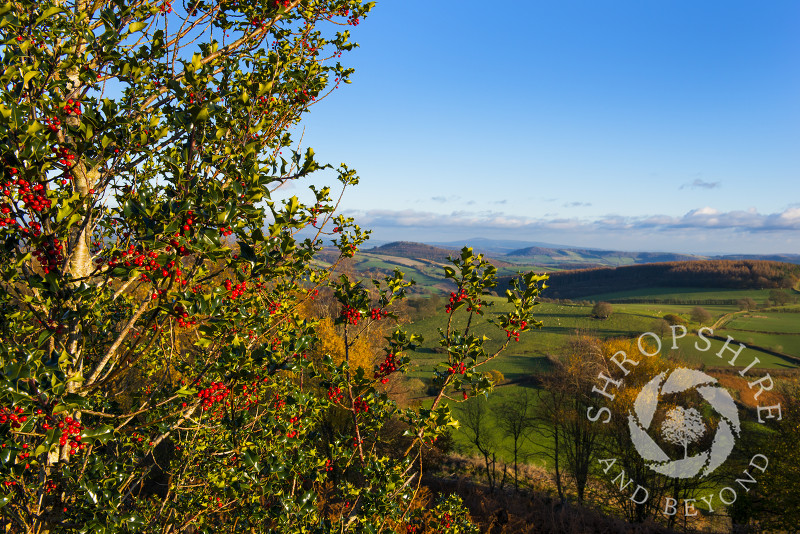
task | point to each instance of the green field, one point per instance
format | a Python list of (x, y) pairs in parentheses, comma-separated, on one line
[(685, 293), (767, 322), (688, 352), (560, 321), (529, 357)]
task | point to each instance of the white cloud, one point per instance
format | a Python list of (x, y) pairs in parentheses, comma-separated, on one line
[(705, 218)]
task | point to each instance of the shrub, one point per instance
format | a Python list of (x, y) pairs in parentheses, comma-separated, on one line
[(673, 319), (602, 310)]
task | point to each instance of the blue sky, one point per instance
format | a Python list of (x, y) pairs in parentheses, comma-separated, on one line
[(641, 125)]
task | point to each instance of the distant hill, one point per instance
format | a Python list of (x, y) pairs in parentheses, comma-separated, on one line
[(787, 258), (732, 274), (580, 272), (409, 249), (421, 251), (583, 256), (496, 247)]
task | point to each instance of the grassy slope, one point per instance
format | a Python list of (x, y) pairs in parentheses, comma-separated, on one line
[(527, 357), (687, 293)]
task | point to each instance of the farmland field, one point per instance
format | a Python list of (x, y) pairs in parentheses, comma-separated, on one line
[(685, 293), (767, 322), (532, 355)]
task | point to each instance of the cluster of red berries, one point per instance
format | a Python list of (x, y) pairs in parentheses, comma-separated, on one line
[(455, 298), (53, 123), (214, 394), (315, 209), (273, 307), (33, 196), (313, 50), (50, 254), (360, 405), (302, 96), (251, 394), (69, 428), (132, 257), (328, 465), (313, 293), (175, 244), (386, 368), (294, 421), (166, 7), (236, 290), (70, 432), (64, 157), (36, 228), (226, 231), (514, 332), (15, 416), (447, 520), (25, 454), (187, 226), (72, 107), (146, 260), (377, 314), (460, 369), (351, 315), (335, 394), (279, 402), (183, 317)]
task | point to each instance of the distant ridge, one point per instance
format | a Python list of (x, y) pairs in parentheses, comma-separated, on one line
[(731, 274), (412, 250), (492, 246), (597, 257), (554, 257)]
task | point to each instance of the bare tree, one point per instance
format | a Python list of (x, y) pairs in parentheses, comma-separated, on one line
[(562, 409), (515, 420), (476, 424)]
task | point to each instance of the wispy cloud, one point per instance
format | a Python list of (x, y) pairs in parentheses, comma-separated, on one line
[(702, 184), (705, 218), (577, 204)]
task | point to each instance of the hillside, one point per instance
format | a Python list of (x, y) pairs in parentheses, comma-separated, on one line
[(421, 251), (732, 274), (418, 251)]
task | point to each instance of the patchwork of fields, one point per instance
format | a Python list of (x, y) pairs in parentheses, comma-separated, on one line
[(776, 329)]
